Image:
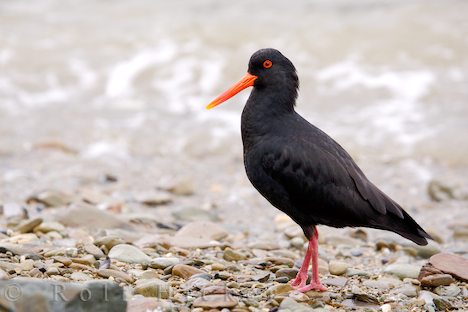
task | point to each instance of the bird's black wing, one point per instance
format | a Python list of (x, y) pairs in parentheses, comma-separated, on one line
[(325, 186)]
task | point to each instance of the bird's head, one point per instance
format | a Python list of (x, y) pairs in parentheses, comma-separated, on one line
[(268, 69)]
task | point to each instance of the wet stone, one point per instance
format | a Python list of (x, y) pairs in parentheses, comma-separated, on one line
[(437, 280)]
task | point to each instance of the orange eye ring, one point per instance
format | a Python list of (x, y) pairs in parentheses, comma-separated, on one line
[(267, 64)]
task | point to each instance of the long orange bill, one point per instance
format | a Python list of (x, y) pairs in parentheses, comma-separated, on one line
[(247, 81)]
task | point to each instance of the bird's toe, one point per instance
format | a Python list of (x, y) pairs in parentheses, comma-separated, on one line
[(312, 286)]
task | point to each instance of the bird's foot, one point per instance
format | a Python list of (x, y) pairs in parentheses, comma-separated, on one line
[(312, 286), (300, 280)]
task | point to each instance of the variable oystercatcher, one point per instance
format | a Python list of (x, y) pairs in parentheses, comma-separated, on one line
[(302, 171)]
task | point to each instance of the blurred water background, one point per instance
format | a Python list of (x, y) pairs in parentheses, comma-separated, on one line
[(95, 87)]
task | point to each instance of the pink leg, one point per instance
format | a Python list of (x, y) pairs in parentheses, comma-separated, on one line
[(302, 275), (301, 278)]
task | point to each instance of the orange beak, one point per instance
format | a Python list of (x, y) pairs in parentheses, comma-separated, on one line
[(247, 81)]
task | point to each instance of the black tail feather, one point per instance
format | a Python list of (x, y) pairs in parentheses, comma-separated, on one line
[(406, 227)]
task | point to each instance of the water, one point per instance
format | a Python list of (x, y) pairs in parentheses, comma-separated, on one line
[(127, 82)]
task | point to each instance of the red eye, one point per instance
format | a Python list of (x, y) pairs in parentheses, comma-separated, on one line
[(267, 64)]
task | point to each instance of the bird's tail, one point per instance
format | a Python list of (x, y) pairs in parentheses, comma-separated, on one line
[(406, 227)]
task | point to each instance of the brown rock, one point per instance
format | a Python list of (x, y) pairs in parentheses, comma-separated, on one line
[(64, 260), (454, 265), (437, 280), (280, 261), (28, 225), (109, 241), (79, 266), (280, 289), (185, 271), (214, 290), (215, 301), (153, 288), (289, 273), (86, 259), (50, 198), (93, 250), (426, 270), (153, 198), (182, 188), (115, 274)]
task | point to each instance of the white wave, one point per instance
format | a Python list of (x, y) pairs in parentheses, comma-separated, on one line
[(84, 73), (122, 75), (393, 114), (407, 85), (5, 56)]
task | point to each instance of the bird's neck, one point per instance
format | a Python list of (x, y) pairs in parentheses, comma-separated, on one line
[(262, 112)]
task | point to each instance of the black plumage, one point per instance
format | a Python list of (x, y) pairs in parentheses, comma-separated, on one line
[(298, 168)]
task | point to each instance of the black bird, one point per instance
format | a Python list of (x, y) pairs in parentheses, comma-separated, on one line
[(302, 171)]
